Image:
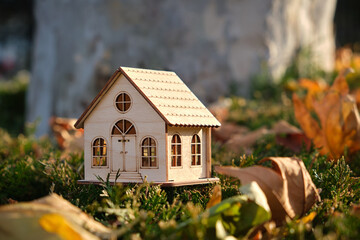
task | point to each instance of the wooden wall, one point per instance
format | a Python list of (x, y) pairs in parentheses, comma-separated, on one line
[(147, 123)]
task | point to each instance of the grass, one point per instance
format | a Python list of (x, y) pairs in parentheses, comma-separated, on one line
[(31, 168)]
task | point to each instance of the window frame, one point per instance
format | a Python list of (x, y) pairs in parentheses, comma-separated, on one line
[(176, 155), (128, 130), (100, 156), (116, 102), (196, 154), (149, 147)]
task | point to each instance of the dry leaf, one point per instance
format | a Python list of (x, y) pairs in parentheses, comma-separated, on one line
[(339, 120), (55, 223), (67, 136), (50, 217), (307, 218), (227, 131), (290, 136), (215, 197), (220, 109), (314, 88), (239, 142), (287, 185)]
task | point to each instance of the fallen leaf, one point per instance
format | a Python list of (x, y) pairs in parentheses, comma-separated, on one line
[(239, 142), (215, 197), (220, 109), (227, 131), (67, 136), (339, 119), (314, 89), (55, 223), (307, 218), (50, 217), (287, 185), (290, 136)]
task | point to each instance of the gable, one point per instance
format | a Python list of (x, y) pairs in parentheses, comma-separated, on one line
[(107, 113)]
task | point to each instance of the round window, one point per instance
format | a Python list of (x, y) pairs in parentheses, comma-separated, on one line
[(123, 102)]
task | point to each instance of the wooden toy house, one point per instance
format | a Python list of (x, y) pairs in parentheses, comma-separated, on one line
[(147, 124)]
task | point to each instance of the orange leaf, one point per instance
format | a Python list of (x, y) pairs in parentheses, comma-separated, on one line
[(215, 197), (338, 116)]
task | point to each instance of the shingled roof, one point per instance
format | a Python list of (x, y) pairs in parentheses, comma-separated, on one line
[(166, 93)]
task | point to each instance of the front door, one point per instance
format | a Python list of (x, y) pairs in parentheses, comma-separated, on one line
[(123, 147)]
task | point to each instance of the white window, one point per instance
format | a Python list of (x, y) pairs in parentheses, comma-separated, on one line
[(99, 150), (148, 153), (195, 151), (176, 151)]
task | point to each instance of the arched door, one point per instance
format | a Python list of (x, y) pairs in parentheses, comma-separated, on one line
[(123, 146)]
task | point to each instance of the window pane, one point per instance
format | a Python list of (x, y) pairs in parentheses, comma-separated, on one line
[(145, 161), (97, 142), (173, 161), (152, 142), (153, 162), (127, 125), (94, 161), (115, 131), (102, 161), (126, 97), (132, 130), (126, 106), (192, 148), (120, 106), (178, 161), (104, 151), (101, 151), (153, 151), (193, 160), (145, 142), (173, 149), (178, 148), (145, 152), (198, 148), (119, 98), (120, 126), (198, 162)]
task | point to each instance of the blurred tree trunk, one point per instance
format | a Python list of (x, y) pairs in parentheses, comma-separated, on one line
[(214, 46)]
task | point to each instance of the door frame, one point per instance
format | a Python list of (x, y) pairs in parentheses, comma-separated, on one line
[(135, 142)]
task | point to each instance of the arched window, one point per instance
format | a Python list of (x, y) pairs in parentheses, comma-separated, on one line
[(123, 102), (123, 127), (99, 153), (148, 153), (176, 151), (195, 150)]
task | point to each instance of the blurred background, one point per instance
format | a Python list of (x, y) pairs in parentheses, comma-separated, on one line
[(56, 55)]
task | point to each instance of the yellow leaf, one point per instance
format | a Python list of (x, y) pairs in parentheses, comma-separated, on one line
[(55, 223), (307, 218), (215, 197)]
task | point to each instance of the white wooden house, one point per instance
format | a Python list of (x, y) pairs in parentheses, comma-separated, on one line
[(149, 125)]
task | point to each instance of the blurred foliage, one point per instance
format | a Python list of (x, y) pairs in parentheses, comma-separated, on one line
[(258, 113), (12, 102)]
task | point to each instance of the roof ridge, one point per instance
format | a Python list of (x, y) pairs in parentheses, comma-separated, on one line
[(152, 71)]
